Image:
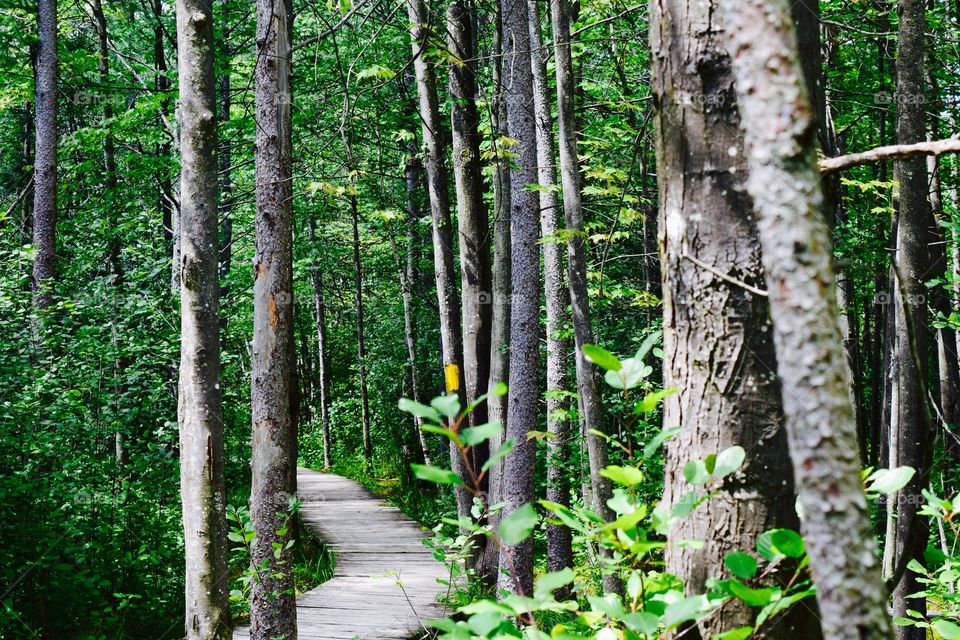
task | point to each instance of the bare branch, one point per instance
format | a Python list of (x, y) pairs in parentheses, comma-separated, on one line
[(928, 148)]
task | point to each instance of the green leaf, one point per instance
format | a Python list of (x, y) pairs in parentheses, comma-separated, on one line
[(657, 441), (601, 357), (550, 582), (502, 452), (647, 344), (740, 633), (419, 410), (627, 476), (891, 480), (788, 542), (480, 433), (652, 400), (740, 564), (683, 610), (448, 405), (947, 629), (728, 461), (435, 474), (517, 527), (696, 472), (642, 622), (443, 431), (753, 597)]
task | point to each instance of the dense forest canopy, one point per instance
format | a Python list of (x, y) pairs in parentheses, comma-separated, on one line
[(644, 318)]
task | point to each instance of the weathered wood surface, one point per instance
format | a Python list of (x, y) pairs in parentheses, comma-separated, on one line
[(385, 581)]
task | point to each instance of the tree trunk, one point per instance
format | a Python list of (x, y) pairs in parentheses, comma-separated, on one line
[(473, 224), (408, 275), (518, 469), (272, 606), (200, 413), (45, 157), (736, 400), (912, 269), (434, 162), (361, 342), (165, 190), (557, 296), (587, 389), (323, 368), (226, 192), (779, 133), (500, 329)]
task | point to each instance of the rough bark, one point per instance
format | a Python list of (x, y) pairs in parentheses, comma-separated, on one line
[(779, 133), (587, 389), (408, 275), (518, 470), (912, 264), (451, 336), (45, 156), (472, 221), (199, 410), (323, 366), (557, 297), (705, 215), (272, 607), (500, 300)]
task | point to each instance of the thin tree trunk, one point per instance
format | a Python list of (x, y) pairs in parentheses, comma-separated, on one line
[(779, 132), (200, 413), (226, 192), (516, 566), (912, 265), (473, 224), (500, 329), (45, 157), (443, 251), (408, 275), (272, 606), (323, 369), (361, 337), (587, 388), (165, 190), (557, 296)]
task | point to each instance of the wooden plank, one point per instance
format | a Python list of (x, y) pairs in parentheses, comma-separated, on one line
[(375, 546)]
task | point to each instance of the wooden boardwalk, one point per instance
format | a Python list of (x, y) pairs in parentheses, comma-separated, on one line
[(378, 551)]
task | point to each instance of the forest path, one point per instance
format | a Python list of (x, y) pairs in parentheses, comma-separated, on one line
[(376, 547)]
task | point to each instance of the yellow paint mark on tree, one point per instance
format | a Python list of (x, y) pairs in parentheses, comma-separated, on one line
[(272, 308), (452, 372)]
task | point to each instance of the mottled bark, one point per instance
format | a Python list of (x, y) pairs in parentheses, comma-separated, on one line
[(323, 366), (45, 156), (448, 300), (912, 263), (472, 221), (407, 269), (199, 410), (557, 297), (272, 607), (518, 469), (500, 299), (705, 215), (779, 134), (570, 179)]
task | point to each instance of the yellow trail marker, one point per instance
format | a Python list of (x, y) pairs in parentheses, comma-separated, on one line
[(452, 372)]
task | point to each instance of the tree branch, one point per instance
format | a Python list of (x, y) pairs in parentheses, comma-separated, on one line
[(928, 148)]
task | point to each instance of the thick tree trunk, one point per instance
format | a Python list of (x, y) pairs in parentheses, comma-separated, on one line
[(518, 470), (202, 484), (443, 250), (45, 157), (909, 440), (779, 133), (472, 218), (587, 388), (323, 368), (557, 296), (272, 606), (706, 218)]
